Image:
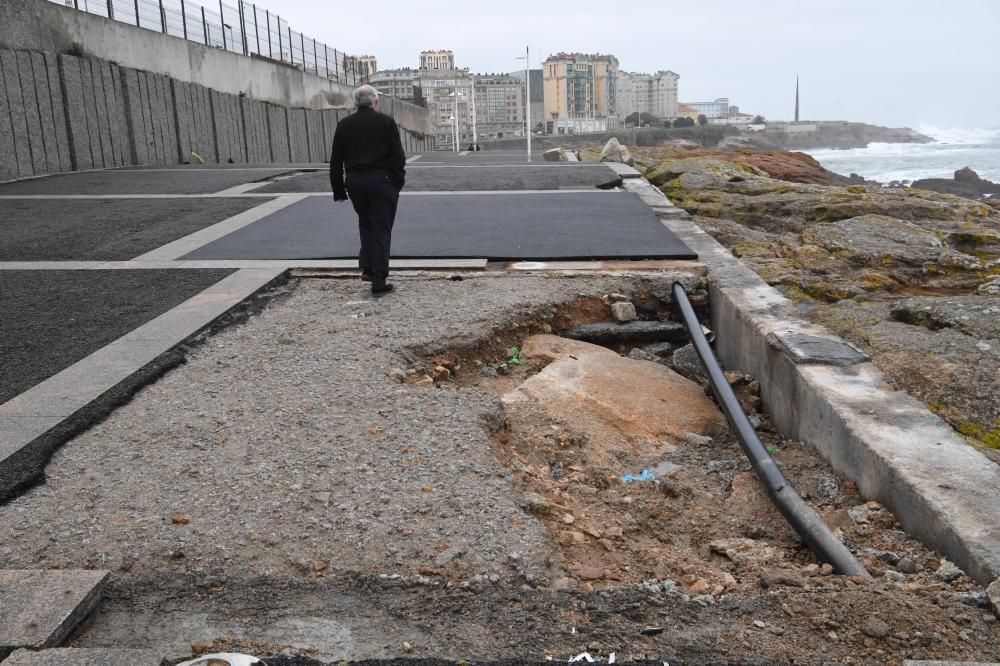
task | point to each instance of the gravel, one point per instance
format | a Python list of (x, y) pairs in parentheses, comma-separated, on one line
[(293, 452)]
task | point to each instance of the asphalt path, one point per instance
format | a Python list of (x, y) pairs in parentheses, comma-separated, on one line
[(424, 178), (142, 181), (501, 227), (52, 319), (104, 229)]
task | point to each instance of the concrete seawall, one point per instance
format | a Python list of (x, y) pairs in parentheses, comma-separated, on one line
[(79, 91), (61, 112)]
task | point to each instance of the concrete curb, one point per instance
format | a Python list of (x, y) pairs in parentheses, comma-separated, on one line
[(820, 390), (37, 422)]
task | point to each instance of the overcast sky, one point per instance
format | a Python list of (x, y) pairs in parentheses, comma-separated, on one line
[(893, 62)]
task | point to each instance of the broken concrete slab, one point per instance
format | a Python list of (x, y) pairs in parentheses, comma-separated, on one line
[(40, 608), (822, 350), (84, 657)]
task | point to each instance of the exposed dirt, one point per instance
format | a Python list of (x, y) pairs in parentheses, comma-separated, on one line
[(706, 524)]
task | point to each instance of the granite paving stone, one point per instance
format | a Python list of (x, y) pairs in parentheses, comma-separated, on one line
[(40, 608)]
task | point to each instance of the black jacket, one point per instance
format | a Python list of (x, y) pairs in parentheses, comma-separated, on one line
[(366, 142)]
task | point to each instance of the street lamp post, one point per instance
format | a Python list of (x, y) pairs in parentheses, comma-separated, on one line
[(475, 134), (527, 96)]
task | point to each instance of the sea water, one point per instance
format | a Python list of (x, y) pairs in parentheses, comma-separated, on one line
[(952, 149)]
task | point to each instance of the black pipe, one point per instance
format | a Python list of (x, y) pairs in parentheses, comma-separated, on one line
[(814, 532)]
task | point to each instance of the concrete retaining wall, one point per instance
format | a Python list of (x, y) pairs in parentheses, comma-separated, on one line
[(67, 113)]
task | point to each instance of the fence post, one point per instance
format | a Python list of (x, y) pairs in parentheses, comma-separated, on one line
[(222, 25), (291, 47), (336, 65), (76, 5), (281, 49), (243, 28), (136, 14), (111, 10), (302, 41), (163, 19), (184, 21), (267, 17), (326, 59), (315, 57), (256, 30), (204, 26)]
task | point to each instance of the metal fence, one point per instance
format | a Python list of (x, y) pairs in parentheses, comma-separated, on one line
[(245, 29)]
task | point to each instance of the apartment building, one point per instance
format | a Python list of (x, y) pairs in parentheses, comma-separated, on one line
[(499, 106), (396, 83), (362, 68), (655, 94), (439, 59), (579, 86)]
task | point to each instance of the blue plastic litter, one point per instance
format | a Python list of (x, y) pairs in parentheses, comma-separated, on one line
[(645, 476)]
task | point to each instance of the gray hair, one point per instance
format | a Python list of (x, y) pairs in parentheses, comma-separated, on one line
[(365, 96)]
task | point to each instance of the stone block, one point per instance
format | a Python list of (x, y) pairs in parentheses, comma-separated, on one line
[(804, 348), (183, 118), (257, 134), (32, 115), (170, 149), (203, 137), (8, 155), (277, 126), (138, 146), (101, 106), (329, 127), (78, 135), (46, 113), (119, 121), (15, 107), (297, 140), (90, 112), (315, 137), (41, 608), (85, 657)]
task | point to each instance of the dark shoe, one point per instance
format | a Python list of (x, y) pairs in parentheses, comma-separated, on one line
[(384, 289), (366, 277)]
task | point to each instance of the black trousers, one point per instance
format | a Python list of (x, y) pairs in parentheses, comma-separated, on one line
[(375, 199)]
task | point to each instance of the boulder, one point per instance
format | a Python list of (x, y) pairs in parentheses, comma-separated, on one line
[(554, 155), (599, 391), (967, 175), (614, 151)]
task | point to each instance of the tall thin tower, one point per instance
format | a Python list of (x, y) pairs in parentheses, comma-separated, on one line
[(796, 98)]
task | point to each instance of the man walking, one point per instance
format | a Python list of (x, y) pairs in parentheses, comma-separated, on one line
[(367, 146)]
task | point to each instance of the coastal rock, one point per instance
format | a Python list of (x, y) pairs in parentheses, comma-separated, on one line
[(976, 316), (745, 194), (599, 391), (614, 151), (966, 183)]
